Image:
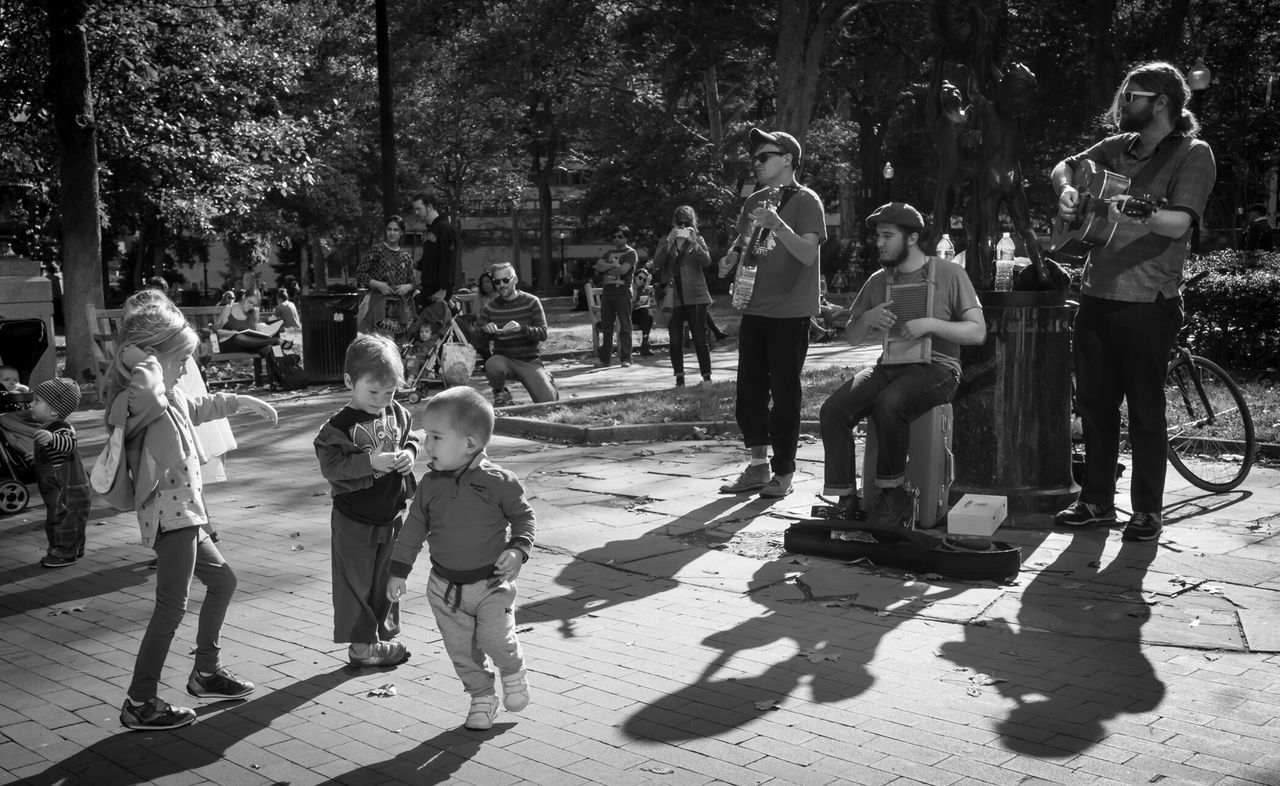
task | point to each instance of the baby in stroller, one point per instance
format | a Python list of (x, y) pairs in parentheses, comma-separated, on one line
[(16, 469), (435, 352)]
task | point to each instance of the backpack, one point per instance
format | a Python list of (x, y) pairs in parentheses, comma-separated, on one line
[(286, 371)]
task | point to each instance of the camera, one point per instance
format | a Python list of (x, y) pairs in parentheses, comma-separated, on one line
[(684, 232)]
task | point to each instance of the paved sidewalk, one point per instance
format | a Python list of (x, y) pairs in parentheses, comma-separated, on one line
[(669, 641)]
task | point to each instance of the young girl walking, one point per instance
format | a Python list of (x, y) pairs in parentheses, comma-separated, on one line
[(164, 457)]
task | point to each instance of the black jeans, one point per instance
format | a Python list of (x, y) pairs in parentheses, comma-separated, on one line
[(1121, 353), (696, 317), (771, 355)]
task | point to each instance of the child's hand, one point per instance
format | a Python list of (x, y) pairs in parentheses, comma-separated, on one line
[(396, 588), (383, 462), (260, 408), (42, 437), (132, 355), (508, 565), (404, 462)]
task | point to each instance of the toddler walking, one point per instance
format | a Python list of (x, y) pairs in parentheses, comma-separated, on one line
[(164, 457), (366, 452), (59, 473), (480, 527)]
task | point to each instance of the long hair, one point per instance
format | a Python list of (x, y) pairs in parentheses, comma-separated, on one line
[(1163, 79), (687, 214), (157, 327)]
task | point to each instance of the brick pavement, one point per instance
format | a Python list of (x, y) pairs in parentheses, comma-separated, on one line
[(669, 641)]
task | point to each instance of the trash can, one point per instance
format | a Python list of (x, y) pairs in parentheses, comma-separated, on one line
[(1013, 407), (328, 328)]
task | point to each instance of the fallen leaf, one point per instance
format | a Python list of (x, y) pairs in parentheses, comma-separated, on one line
[(65, 609), (383, 691), (768, 704), (1195, 622), (524, 629), (644, 452), (1212, 590), (296, 547), (986, 679), (296, 535), (659, 770), (817, 656), (973, 690)]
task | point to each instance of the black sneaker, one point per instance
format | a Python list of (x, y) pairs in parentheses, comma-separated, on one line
[(55, 561), (1143, 527), (1085, 514), (222, 684), (155, 714)]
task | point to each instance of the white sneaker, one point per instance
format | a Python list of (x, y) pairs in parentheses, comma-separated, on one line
[(483, 710), (515, 691)]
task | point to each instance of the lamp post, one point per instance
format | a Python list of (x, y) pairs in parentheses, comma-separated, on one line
[(564, 269), (1198, 79), (888, 180)]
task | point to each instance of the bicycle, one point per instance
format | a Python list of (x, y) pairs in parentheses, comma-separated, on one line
[(1211, 439)]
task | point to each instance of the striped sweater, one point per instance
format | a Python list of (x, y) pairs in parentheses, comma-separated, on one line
[(61, 448), (524, 309)]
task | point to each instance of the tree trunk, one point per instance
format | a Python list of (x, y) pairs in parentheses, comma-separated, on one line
[(848, 193), (715, 124), (1171, 40), (71, 98), (795, 91), (1106, 67)]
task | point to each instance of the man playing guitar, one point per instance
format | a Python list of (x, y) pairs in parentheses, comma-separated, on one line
[(1130, 310)]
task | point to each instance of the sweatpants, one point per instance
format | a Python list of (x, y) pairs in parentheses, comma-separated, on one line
[(477, 620)]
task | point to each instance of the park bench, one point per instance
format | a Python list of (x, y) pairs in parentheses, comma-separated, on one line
[(104, 326)]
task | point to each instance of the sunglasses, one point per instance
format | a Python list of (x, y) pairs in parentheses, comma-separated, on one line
[(506, 280), (1131, 95), (763, 156)]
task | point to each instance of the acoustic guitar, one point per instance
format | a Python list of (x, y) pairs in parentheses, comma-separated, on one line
[(1092, 227)]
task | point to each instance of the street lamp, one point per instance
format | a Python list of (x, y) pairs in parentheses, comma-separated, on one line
[(888, 179), (564, 269)]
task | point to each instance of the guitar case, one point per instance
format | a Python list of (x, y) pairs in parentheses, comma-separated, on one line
[(902, 548)]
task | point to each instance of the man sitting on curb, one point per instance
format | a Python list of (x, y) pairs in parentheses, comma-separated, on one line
[(897, 394), (518, 325)]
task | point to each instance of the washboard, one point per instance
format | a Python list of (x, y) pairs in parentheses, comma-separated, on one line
[(910, 301)]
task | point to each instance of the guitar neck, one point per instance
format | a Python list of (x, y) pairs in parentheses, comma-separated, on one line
[(1093, 205)]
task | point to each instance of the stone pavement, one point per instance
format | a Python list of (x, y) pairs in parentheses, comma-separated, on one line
[(669, 641)]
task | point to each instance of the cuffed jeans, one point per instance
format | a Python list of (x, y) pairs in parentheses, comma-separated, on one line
[(67, 498), (1121, 353), (695, 316), (615, 306), (181, 554), (896, 395), (771, 354), (530, 373), (477, 620)]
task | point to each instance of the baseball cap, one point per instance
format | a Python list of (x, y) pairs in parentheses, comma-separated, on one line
[(780, 138), (899, 213)]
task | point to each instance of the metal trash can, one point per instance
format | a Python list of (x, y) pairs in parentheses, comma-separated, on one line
[(328, 328)]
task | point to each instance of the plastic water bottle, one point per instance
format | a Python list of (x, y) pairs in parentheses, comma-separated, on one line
[(946, 251), (1005, 249)]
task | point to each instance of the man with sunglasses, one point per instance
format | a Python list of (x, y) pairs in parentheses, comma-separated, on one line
[(517, 324), (780, 230), (1130, 309)]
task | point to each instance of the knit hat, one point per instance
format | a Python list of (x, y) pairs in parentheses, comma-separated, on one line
[(61, 394)]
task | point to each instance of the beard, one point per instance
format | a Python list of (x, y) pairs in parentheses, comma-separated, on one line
[(891, 261), (1136, 120)]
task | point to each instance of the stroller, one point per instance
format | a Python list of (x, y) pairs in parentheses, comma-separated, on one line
[(435, 352), (22, 342)]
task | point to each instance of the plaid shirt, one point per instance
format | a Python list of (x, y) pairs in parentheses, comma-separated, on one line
[(1137, 265)]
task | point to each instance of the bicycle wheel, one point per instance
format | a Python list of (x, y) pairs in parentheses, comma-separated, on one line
[(1211, 441)]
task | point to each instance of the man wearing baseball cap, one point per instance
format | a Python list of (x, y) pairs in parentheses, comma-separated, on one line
[(897, 394), (780, 230)]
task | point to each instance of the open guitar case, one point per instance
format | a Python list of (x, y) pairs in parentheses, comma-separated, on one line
[(902, 548)]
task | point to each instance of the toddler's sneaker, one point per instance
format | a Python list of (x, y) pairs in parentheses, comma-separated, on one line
[(155, 714), (515, 691), (221, 684), (483, 710)]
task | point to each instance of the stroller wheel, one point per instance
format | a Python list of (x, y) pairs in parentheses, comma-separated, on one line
[(414, 397), (13, 497)]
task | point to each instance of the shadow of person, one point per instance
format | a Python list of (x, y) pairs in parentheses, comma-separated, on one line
[(833, 655), (599, 578), (82, 587), (1079, 627), (436, 760), (138, 757)]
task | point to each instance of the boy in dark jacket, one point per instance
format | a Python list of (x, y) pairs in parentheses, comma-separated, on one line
[(366, 452)]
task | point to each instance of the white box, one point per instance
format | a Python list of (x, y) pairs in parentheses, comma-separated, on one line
[(977, 514)]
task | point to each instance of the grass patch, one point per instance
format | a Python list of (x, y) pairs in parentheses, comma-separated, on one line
[(712, 401)]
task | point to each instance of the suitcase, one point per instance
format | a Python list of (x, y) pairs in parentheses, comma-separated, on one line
[(930, 467)]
